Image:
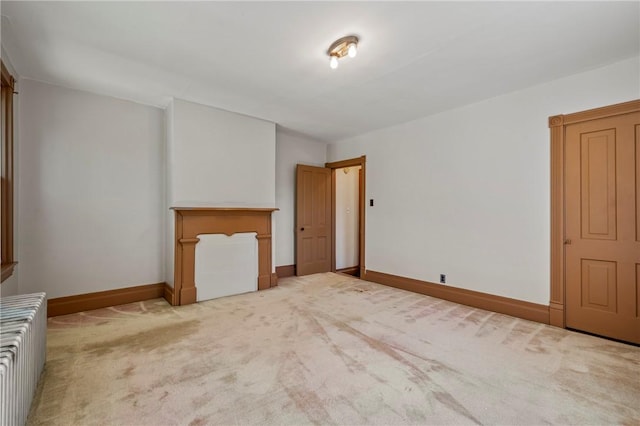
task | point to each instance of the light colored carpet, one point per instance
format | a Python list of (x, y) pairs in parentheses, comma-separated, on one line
[(329, 349)]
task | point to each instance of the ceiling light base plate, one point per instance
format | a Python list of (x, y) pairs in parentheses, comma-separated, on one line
[(340, 47)]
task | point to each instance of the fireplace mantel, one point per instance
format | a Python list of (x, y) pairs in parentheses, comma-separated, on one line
[(194, 221)]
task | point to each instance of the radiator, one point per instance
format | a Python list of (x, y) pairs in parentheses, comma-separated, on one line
[(23, 338)]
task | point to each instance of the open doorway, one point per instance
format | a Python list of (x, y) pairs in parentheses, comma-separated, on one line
[(348, 215), (347, 220), (316, 193)]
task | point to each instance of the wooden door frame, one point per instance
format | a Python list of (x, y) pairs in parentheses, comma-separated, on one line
[(557, 125), (352, 162)]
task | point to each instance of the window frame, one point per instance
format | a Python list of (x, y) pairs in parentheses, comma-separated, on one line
[(6, 224)]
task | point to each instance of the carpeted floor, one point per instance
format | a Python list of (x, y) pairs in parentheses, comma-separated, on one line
[(328, 349)]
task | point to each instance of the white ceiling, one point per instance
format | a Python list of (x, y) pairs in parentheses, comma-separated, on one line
[(268, 60)]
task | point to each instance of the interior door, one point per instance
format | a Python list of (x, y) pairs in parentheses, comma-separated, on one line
[(602, 214), (313, 220)]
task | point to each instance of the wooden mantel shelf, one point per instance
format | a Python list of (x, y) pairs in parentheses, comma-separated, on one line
[(193, 221), (230, 209)]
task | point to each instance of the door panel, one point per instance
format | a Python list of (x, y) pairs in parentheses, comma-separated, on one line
[(598, 185), (602, 248), (313, 220), (322, 194), (637, 290), (637, 135), (599, 285)]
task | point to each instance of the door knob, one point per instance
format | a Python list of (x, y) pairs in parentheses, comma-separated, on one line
[(567, 241), (302, 229)]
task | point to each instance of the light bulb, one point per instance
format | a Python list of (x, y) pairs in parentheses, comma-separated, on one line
[(353, 50), (333, 62)]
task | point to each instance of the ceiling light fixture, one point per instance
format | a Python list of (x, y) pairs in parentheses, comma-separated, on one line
[(342, 47)]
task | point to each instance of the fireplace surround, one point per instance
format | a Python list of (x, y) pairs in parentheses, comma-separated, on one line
[(193, 221)]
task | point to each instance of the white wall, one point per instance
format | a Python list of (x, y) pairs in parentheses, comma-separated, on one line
[(466, 192), (220, 158), (291, 149), (347, 208), (90, 192), (10, 286)]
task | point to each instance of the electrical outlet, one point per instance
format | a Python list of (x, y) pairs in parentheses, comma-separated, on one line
[(443, 279)]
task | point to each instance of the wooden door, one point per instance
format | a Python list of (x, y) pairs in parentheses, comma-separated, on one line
[(602, 226), (313, 220)]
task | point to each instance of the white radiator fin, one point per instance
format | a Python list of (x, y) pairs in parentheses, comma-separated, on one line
[(23, 341)]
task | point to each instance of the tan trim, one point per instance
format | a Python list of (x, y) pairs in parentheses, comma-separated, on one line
[(363, 206), (352, 162), (7, 199), (504, 305), (6, 76), (594, 114), (168, 294), (353, 270), (334, 191), (286, 271), (557, 125), (7, 270), (556, 314), (103, 299), (193, 221), (234, 210), (556, 300)]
